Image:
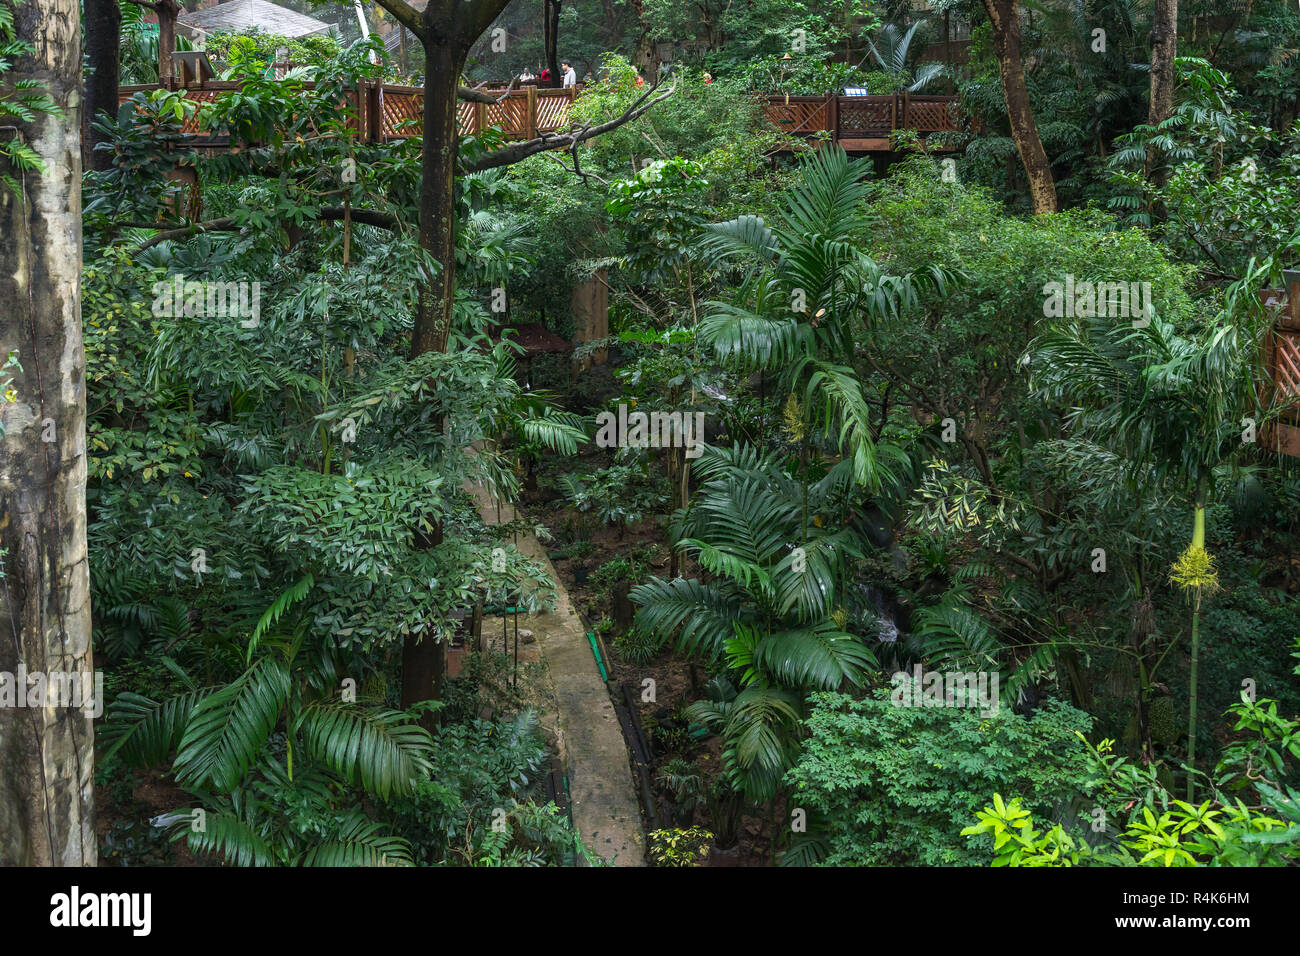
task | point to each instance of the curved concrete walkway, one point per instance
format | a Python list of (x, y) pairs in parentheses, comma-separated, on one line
[(604, 803)]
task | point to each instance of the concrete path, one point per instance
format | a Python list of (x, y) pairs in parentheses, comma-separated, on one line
[(604, 803)]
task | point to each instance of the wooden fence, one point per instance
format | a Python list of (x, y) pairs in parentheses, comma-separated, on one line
[(381, 112)]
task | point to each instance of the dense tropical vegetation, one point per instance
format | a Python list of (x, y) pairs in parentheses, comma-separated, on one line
[(986, 547)]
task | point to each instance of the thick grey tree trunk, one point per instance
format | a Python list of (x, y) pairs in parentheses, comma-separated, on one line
[(46, 756)]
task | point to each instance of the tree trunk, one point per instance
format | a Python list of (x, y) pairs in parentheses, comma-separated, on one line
[(551, 38), (1024, 130), (1164, 47), (103, 29), (46, 755), (643, 57), (442, 68), (423, 666)]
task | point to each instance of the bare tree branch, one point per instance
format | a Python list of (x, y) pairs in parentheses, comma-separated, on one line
[(406, 15), (519, 151), (475, 94), (577, 169)]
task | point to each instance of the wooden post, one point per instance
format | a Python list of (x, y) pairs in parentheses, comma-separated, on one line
[(530, 106), (480, 118), (167, 11), (375, 111), (833, 117)]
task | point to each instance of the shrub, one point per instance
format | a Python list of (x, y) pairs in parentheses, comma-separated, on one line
[(679, 847), (890, 785)]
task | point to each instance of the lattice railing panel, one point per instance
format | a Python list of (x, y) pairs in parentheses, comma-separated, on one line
[(929, 117), (398, 107), (798, 117), (553, 111), (866, 116), (1286, 364), (465, 113), (511, 115)]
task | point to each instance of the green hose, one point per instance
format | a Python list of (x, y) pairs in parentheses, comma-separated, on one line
[(591, 639)]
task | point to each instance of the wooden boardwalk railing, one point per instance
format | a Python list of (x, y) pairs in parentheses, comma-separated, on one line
[(861, 123), (383, 112)]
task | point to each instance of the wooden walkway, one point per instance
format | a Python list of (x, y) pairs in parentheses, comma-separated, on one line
[(381, 112), (604, 804), (861, 124)]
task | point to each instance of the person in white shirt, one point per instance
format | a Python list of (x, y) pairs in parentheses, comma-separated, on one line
[(570, 75)]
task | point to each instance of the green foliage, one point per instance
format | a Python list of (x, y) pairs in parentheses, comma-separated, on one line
[(270, 753), (251, 53), (1251, 819), (891, 785), (8, 394), (767, 611), (679, 846), (637, 647), (808, 292), (479, 803), (1215, 185), (617, 496), (1186, 835)]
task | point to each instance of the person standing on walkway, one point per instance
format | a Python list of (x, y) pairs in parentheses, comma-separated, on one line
[(570, 75)]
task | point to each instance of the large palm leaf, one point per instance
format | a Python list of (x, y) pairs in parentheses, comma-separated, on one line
[(377, 750), (228, 729)]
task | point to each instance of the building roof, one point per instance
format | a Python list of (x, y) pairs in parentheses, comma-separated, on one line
[(242, 16)]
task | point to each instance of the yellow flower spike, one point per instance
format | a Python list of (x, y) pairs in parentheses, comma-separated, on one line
[(793, 419), (1195, 569)]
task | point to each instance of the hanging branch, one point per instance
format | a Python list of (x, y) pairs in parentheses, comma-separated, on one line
[(520, 151)]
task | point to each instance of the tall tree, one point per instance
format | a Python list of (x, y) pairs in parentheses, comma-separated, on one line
[(1005, 17), (103, 53), (46, 756), (1164, 47), (551, 37), (448, 29)]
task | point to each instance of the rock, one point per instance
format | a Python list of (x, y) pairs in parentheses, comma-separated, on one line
[(526, 636)]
